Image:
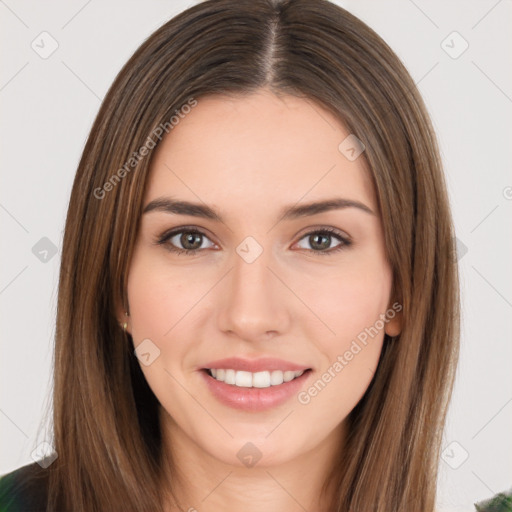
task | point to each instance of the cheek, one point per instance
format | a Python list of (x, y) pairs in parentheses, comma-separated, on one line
[(158, 299), (351, 304), (349, 358), (348, 300)]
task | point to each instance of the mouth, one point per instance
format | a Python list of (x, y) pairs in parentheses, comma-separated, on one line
[(254, 392)]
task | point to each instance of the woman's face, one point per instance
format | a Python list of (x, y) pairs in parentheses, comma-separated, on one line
[(260, 284)]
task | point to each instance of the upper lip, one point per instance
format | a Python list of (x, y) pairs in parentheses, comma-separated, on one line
[(255, 365)]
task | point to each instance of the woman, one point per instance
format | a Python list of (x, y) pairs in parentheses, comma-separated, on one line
[(258, 299)]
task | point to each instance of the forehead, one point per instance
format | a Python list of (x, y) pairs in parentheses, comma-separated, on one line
[(255, 151)]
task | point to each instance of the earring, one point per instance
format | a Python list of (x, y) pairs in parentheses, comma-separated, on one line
[(124, 325)]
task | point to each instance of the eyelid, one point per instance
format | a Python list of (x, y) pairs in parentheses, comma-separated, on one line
[(189, 229), (324, 228)]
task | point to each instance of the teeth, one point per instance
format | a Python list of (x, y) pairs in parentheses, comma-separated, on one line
[(243, 379), (254, 380), (230, 376)]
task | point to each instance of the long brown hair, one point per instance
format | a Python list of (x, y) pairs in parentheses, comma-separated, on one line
[(105, 416)]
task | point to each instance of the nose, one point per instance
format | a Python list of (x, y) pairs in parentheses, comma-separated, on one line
[(255, 304)]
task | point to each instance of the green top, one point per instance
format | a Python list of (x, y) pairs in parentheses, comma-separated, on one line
[(501, 502)]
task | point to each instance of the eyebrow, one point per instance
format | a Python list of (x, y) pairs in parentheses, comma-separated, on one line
[(291, 212)]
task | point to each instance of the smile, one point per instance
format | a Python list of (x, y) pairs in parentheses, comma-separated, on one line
[(263, 379), (254, 392)]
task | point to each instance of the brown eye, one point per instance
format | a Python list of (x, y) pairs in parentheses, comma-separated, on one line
[(190, 241), (320, 241)]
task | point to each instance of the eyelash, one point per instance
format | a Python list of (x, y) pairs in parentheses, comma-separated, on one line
[(163, 239)]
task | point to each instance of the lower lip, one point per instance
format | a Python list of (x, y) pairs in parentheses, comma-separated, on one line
[(254, 399)]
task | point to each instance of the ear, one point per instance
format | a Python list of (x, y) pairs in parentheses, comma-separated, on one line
[(394, 325), (121, 315)]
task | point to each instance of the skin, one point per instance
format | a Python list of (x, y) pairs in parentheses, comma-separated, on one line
[(248, 158)]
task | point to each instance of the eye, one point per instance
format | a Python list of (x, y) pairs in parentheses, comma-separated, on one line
[(322, 238), (190, 239)]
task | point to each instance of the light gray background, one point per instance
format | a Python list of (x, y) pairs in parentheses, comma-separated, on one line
[(48, 106)]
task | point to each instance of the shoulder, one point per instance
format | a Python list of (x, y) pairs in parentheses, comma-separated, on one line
[(24, 489)]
